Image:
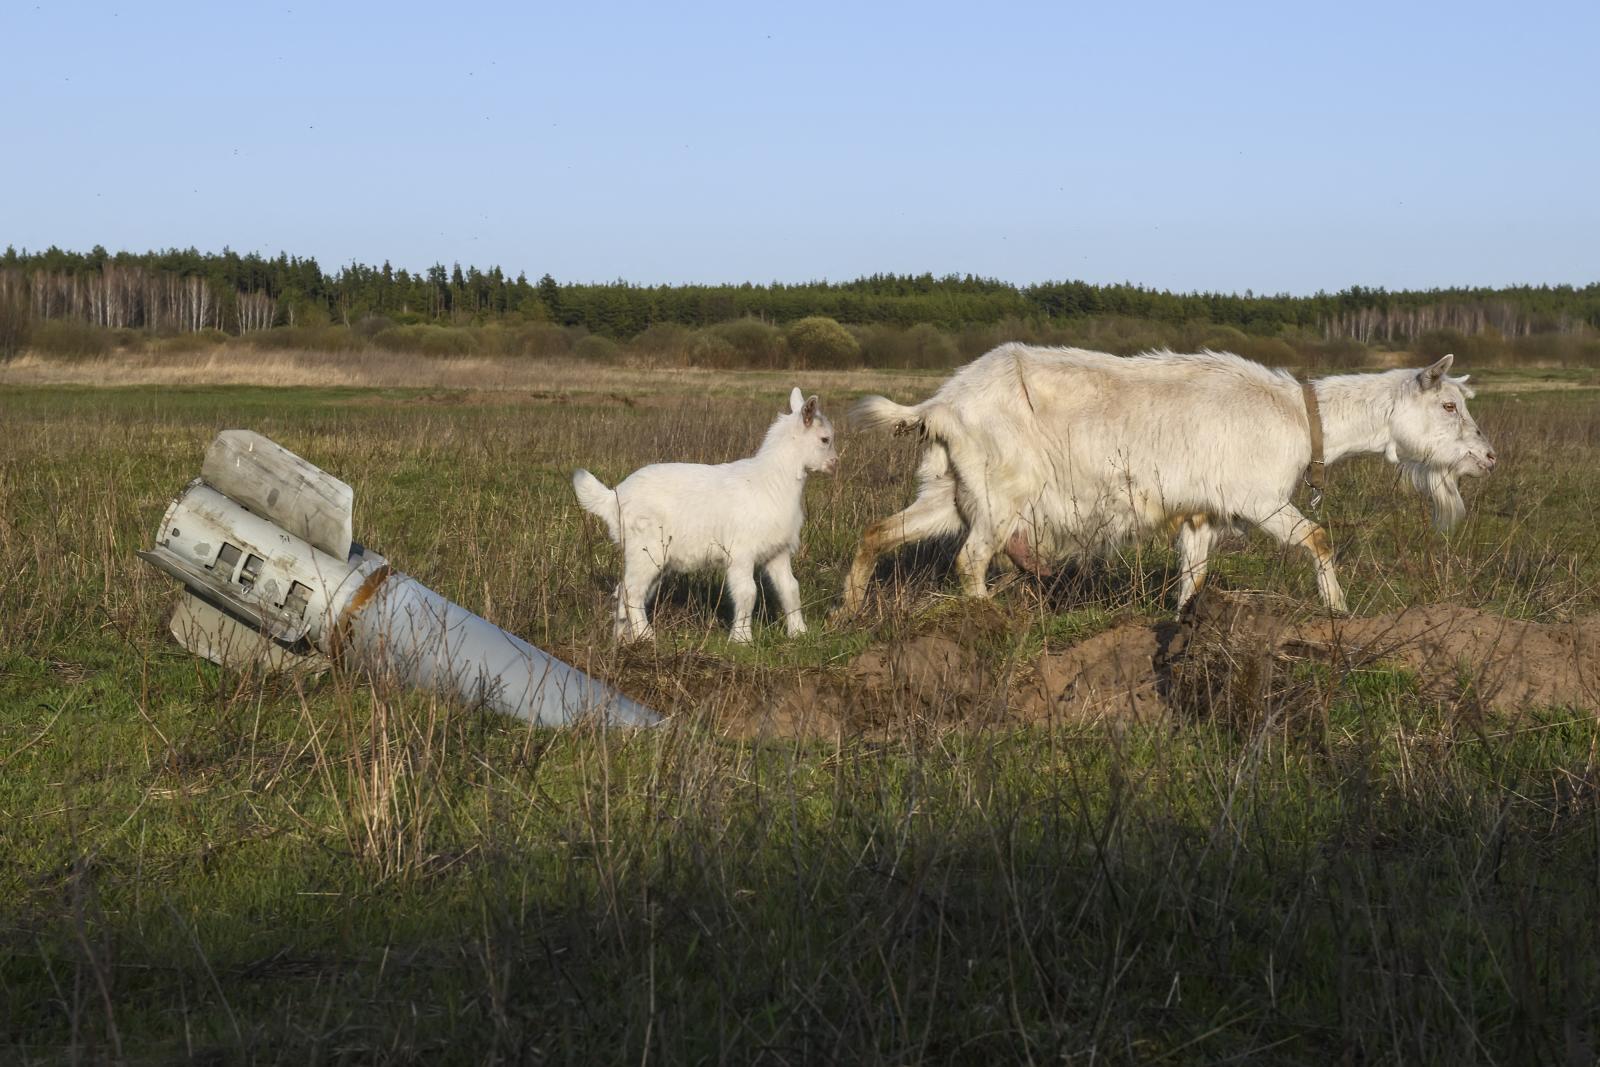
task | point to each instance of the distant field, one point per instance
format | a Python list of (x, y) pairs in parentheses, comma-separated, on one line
[(466, 375), (833, 853), (542, 377)]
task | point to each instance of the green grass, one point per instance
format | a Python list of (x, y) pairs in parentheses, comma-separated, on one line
[(198, 865)]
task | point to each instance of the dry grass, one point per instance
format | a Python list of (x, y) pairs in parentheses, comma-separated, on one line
[(224, 366), (543, 378), (1326, 865)]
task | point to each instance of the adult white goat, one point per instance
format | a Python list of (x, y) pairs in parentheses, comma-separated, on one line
[(740, 516), (1046, 452)]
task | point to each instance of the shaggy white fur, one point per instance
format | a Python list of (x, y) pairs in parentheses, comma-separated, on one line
[(738, 516), (1056, 452)]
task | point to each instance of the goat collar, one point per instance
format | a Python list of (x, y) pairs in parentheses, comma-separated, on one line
[(1314, 472)]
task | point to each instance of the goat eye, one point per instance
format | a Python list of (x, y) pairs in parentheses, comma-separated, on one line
[(825, 440), (1450, 407)]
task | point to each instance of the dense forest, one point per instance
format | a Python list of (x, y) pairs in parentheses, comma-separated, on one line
[(185, 291)]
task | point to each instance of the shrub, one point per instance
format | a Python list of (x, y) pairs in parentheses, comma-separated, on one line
[(818, 341), (543, 340), (1561, 349), (1271, 351), (710, 349), (16, 325), (197, 341), (436, 341), (492, 340), (309, 313), (1124, 336), (304, 338), (369, 326), (756, 343), (922, 347), (127, 339), (1195, 336), (597, 349), (1436, 343), (1335, 353), (69, 337), (974, 341), (667, 342)]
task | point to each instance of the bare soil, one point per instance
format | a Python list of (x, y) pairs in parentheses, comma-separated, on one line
[(1231, 649)]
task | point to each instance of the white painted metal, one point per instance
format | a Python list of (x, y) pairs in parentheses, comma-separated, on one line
[(213, 634), (255, 589), (410, 632), (244, 563), (281, 487)]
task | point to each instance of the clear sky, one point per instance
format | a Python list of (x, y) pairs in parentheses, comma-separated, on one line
[(1273, 147)]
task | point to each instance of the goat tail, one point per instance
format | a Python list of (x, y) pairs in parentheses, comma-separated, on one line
[(932, 419), (879, 412), (599, 501)]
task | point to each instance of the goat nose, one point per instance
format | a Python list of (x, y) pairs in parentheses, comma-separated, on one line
[(1490, 457)]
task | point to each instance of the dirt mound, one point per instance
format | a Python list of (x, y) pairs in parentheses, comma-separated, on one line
[(1228, 650), (1111, 675), (923, 679), (806, 709), (1506, 664), (932, 672)]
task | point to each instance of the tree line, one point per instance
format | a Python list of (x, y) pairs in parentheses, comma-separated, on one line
[(184, 290)]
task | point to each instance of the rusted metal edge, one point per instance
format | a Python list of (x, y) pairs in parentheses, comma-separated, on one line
[(359, 600)]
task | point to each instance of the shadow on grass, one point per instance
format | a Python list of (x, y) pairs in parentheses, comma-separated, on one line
[(437, 885)]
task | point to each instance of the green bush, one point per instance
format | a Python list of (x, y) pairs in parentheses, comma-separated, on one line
[(1477, 348), (820, 342), (597, 349), (306, 338), (1124, 336), (369, 326), (309, 313), (710, 349), (1335, 353), (491, 340), (197, 341), (1196, 337), (922, 347), (756, 343), (543, 340), (667, 342), (436, 341), (1271, 351), (16, 325), (1558, 349), (69, 337), (127, 339)]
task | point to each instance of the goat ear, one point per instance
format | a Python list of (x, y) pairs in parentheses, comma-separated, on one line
[(808, 413), (1430, 377), (795, 400)]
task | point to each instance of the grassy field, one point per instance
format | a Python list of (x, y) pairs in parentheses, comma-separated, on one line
[(198, 865)]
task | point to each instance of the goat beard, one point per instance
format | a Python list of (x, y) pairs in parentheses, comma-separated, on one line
[(1441, 486)]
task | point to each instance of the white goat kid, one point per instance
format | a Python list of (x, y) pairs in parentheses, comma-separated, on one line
[(1040, 452), (740, 516)]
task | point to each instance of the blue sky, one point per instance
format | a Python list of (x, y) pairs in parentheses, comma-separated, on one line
[(1273, 147)]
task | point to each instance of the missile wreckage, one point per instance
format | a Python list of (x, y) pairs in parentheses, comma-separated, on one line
[(262, 544)]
